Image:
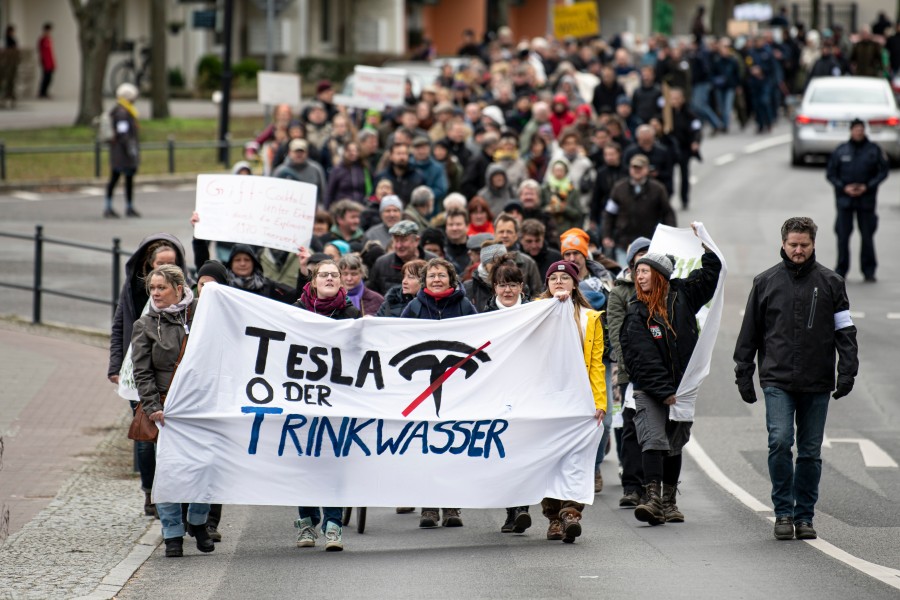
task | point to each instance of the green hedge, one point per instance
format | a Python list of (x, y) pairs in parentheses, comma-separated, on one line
[(312, 69)]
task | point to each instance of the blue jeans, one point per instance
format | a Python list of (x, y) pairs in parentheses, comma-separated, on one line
[(170, 517), (700, 100), (607, 420), (145, 453), (725, 100), (335, 514), (795, 489)]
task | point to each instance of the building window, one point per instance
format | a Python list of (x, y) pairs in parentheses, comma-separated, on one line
[(325, 21)]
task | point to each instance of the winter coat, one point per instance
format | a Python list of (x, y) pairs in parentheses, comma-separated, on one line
[(646, 101), (155, 346), (424, 306), (607, 177), (394, 302), (434, 176), (616, 308), (630, 214), (473, 178), (307, 172), (133, 297), (272, 290), (604, 99), (478, 291), (284, 272), (347, 181), (370, 302), (543, 259), (496, 197), (857, 163), (656, 356), (797, 321), (404, 184), (124, 148)]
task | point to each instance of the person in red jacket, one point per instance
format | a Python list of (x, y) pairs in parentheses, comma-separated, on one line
[(561, 116), (48, 62)]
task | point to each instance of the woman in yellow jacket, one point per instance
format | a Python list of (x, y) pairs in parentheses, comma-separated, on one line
[(562, 283)]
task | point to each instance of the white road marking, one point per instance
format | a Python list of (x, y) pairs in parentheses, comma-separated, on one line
[(150, 188), (857, 315), (700, 456), (187, 187), (29, 196), (893, 316), (725, 159), (589, 577), (92, 191), (778, 140), (883, 574), (693, 180), (873, 456)]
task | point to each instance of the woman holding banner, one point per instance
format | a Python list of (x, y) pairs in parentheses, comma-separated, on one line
[(658, 337), (562, 283), (440, 297), (156, 349), (508, 283), (324, 295)]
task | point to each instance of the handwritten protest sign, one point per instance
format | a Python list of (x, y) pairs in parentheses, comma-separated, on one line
[(261, 211), (278, 88), (577, 20), (379, 87)]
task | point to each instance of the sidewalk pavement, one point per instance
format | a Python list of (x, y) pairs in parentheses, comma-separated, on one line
[(69, 501), (37, 114)]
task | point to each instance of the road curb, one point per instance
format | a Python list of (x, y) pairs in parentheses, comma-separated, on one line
[(119, 575)]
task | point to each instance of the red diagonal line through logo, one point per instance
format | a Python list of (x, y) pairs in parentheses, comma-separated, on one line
[(440, 381)]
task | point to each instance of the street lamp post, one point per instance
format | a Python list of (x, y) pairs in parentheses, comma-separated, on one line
[(227, 26)]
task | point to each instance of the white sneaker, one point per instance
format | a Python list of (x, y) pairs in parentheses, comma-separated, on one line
[(333, 540), (307, 536)]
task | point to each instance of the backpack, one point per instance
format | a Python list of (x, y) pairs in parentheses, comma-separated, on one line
[(106, 132)]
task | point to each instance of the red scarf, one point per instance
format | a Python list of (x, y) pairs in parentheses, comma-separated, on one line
[(325, 307), (439, 295)]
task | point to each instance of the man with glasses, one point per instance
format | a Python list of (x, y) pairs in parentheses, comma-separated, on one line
[(299, 167), (635, 207), (388, 269)]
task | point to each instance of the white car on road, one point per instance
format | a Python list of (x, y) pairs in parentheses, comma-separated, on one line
[(830, 103)]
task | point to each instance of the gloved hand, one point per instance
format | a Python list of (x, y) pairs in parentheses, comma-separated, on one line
[(844, 387), (746, 389)]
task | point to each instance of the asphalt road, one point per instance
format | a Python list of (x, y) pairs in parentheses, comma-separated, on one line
[(745, 190)]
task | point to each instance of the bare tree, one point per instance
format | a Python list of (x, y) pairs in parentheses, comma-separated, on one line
[(159, 75), (97, 20)]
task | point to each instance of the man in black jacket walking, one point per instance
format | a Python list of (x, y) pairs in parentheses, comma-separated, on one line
[(797, 319), (856, 169)]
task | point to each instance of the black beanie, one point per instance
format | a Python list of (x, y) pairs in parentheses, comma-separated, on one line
[(214, 269)]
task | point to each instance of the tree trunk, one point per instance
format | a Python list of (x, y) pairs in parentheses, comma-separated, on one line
[(159, 74), (721, 13), (96, 21)]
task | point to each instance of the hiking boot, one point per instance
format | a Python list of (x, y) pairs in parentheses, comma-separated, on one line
[(199, 533), (130, 212), (307, 536), (571, 523), (803, 530), (174, 547), (521, 519), (651, 511), (555, 530), (429, 519), (598, 482), (784, 528), (149, 507), (213, 532), (509, 524), (630, 499), (452, 518), (111, 214), (333, 540), (402, 510), (670, 509)]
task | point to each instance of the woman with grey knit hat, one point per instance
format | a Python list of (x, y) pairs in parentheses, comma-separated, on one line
[(657, 338)]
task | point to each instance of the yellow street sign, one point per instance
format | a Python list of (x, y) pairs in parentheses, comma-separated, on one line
[(577, 20)]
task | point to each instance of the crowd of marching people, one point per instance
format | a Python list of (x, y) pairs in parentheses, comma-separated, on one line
[(500, 183)]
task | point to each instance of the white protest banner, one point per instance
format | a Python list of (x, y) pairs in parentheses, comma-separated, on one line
[(374, 87), (353, 102), (276, 405), (687, 250), (261, 211), (278, 88)]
